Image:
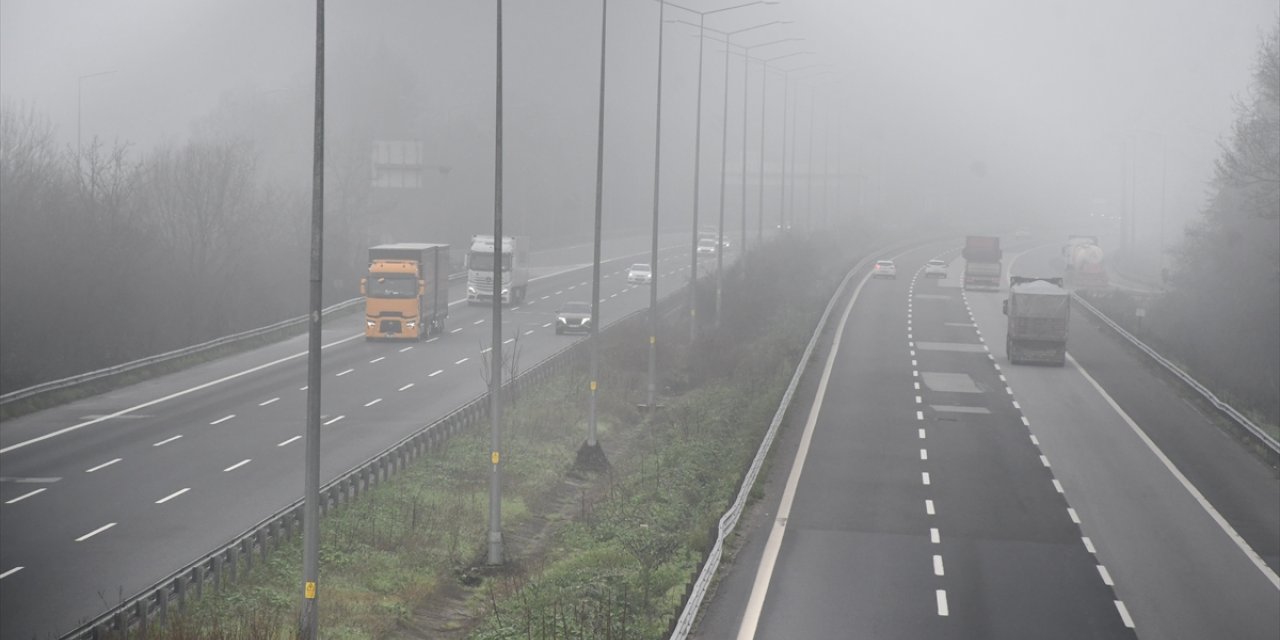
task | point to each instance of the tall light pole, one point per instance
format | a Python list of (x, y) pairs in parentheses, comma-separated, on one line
[(595, 264), (495, 368), (653, 251), (79, 105), (746, 59), (783, 225), (764, 87), (697, 158), (309, 614)]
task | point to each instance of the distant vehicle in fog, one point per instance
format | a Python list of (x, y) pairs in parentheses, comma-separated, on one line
[(884, 269), (935, 269), (982, 262), (1039, 310)]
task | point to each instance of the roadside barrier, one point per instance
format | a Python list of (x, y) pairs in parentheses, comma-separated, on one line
[(1240, 419)]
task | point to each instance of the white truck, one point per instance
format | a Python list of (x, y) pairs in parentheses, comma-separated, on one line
[(514, 252)]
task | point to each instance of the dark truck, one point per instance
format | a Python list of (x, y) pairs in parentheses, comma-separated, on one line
[(1038, 310), (982, 262)]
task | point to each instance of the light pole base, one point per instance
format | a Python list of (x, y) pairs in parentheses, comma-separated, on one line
[(591, 458)]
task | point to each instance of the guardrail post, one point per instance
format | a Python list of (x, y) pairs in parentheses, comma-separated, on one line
[(122, 623), (232, 553), (246, 548), (197, 575), (180, 591), (217, 572), (162, 599), (140, 610)]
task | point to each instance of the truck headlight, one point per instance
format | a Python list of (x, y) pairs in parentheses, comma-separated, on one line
[(504, 291), (370, 323), (411, 324)]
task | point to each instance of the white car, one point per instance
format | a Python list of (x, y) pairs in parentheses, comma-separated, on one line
[(935, 269), (885, 269), (640, 274), (707, 247)]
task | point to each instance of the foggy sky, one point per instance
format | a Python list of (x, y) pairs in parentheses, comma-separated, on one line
[(989, 110)]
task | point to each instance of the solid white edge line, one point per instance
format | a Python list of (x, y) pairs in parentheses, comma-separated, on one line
[(769, 557), (95, 532), (172, 495), (26, 495), (1186, 484), (10, 572), (237, 465), (103, 465), (171, 396)]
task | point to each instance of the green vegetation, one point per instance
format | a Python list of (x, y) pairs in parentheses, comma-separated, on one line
[(589, 555)]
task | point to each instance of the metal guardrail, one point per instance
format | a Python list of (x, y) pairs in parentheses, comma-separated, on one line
[(1262, 436), (222, 565), (71, 381), (728, 521)]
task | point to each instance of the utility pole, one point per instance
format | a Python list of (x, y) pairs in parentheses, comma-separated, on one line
[(309, 616), (595, 264), (495, 372)]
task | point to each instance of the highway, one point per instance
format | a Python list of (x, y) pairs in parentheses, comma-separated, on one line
[(932, 490), (102, 497)]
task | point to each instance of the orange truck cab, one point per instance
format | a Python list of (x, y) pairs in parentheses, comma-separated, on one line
[(406, 291)]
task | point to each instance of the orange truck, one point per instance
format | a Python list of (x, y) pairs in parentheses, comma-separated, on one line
[(406, 291)]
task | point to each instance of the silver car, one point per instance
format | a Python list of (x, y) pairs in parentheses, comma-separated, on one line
[(935, 269), (640, 274)]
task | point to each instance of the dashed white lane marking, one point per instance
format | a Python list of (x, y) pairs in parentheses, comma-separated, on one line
[(103, 465), (529, 332), (919, 415), (95, 532), (480, 321), (924, 454), (25, 495), (435, 373), (928, 507), (1008, 390), (1124, 614), (406, 387), (515, 308), (1226, 527), (918, 400), (166, 441), (922, 434), (237, 465), (172, 495), (332, 420), (303, 388), (1074, 517), (1002, 378), (372, 402), (267, 402), (915, 374), (934, 537), (1057, 486), (10, 572), (223, 419), (546, 325), (558, 292), (486, 350), (1015, 405), (1035, 440), (1106, 576), (290, 440), (937, 565), (408, 348), (942, 603), (1025, 422), (508, 341), (1044, 461), (462, 360), (572, 287), (544, 297), (456, 330), (913, 363), (343, 373), (924, 478), (1088, 544), (917, 384), (429, 340)]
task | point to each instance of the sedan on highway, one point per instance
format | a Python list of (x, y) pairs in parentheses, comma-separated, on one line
[(640, 274), (935, 269), (573, 316), (885, 269)]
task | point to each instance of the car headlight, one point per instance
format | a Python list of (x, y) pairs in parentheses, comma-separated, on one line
[(586, 322), (561, 320), (471, 290)]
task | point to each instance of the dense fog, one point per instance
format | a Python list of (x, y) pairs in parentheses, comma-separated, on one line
[(192, 123)]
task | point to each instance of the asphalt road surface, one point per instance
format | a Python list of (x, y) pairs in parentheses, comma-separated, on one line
[(102, 497), (940, 493)]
